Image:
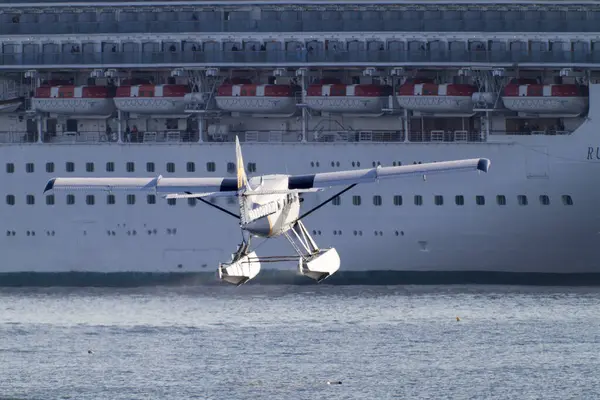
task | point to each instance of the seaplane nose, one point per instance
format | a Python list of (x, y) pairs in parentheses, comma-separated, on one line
[(258, 227)]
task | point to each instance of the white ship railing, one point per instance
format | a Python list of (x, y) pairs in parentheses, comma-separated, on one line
[(330, 137)]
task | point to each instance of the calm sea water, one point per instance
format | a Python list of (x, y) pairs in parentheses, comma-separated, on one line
[(286, 342)]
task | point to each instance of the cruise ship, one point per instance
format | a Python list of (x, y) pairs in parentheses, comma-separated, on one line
[(148, 88)]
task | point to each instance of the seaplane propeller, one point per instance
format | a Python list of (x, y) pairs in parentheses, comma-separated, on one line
[(269, 206)]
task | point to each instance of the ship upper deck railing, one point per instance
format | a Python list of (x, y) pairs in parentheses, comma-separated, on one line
[(215, 25), (325, 137), (294, 58)]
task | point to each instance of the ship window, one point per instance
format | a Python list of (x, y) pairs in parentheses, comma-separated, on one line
[(501, 200), (149, 167), (10, 168), (438, 200), (356, 200), (151, 199), (210, 166), (131, 199), (522, 199), (70, 199), (397, 200), (377, 200), (10, 199), (418, 200), (30, 199), (459, 200), (110, 166), (50, 199), (70, 166), (191, 167), (397, 163), (130, 166), (336, 201), (170, 167), (172, 202), (89, 167), (29, 168), (50, 167), (544, 200), (567, 200), (90, 200), (192, 202), (480, 200), (110, 199), (230, 167), (251, 167)]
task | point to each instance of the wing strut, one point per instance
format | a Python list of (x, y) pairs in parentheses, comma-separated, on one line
[(325, 202), (216, 206)]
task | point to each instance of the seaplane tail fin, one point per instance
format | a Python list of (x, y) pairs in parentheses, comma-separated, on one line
[(242, 184), (242, 179)]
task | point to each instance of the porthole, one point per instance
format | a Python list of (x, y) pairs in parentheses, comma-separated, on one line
[(30, 199), (151, 199), (70, 166), (90, 200), (336, 201), (29, 168), (10, 168), (397, 200), (544, 200), (50, 199), (172, 202), (230, 167), (171, 167), (70, 199), (459, 200), (567, 200), (356, 200), (501, 200), (130, 166), (418, 200), (89, 167), (50, 167), (150, 167), (438, 200), (211, 166), (480, 200), (131, 199), (377, 200), (10, 199), (110, 199), (110, 166), (190, 167), (522, 200)]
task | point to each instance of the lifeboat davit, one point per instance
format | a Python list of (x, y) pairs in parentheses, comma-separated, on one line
[(436, 98), (257, 99), (365, 99), (152, 99), (74, 100), (562, 99)]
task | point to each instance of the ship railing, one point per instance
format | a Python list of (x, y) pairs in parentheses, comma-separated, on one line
[(309, 25), (78, 137), (11, 137), (448, 136), (270, 58), (547, 132)]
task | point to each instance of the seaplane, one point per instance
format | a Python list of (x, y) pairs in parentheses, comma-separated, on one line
[(269, 206)]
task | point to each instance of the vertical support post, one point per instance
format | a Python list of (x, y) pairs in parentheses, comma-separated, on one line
[(304, 110), (406, 121), (200, 128), (120, 127), (39, 129)]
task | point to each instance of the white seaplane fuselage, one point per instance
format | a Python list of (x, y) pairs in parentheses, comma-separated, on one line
[(270, 215)]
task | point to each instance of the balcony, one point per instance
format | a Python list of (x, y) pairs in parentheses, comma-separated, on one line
[(294, 59)]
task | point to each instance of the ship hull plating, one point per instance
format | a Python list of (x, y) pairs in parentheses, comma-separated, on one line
[(141, 237)]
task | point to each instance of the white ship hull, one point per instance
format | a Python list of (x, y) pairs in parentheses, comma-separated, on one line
[(554, 238)]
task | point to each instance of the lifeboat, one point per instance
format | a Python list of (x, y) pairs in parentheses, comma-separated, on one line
[(563, 99), (427, 97), (152, 99), (348, 99), (74, 100), (257, 99)]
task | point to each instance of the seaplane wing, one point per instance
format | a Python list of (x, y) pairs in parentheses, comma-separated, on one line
[(353, 177), (199, 187)]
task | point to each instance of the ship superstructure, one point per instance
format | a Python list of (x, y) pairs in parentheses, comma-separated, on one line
[(147, 88)]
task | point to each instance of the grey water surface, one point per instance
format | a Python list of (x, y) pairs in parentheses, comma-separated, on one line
[(286, 342)]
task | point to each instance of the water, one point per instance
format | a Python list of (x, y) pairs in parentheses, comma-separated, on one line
[(281, 342)]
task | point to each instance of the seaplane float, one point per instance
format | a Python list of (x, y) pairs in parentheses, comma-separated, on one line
[(269, 206)]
